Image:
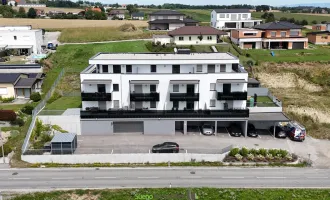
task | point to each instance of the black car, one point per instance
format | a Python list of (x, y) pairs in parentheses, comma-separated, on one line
[(235, 130), (166, 147), (252, 132), (279, 132)]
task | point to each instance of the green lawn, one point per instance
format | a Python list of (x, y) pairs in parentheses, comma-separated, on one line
[(14, 107), (296, 16), (181, 193), (64, 103), (265, 101)]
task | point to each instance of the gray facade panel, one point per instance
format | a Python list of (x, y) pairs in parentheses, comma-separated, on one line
[(128, 127), (159, 127), (96, 127)]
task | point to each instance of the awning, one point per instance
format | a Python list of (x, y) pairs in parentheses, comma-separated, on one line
[(97, 81), (269, 117), (231, 81), (19, 47), (144, 82), (184, 82)]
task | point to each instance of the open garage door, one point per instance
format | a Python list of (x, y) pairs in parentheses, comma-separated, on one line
[(298, 45), (128, 127)]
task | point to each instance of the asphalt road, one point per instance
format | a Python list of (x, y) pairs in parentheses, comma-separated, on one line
[(69, 178)]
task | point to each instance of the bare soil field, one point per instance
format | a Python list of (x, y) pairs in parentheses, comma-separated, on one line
[(69, 23), (47, 9)]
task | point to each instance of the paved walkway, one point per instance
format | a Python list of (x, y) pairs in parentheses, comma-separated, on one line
[(104, 42)]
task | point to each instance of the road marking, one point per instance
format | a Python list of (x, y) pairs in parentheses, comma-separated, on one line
[(105, 177), (192, 177), (151, 177), (318, 177), (272, 177), (64, 178), (19, 178), (229, 177)]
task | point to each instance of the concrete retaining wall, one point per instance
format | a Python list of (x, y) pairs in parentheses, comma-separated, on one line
[(122, 158), (69, 123), (259, 91), (265, 109)]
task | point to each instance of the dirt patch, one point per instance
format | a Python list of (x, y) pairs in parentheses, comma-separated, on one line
[(84, 197), (322, 116)]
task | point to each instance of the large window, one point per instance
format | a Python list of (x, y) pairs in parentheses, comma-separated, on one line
[(245, 16), (212, 86), (250, 34), (128, 68), (116, 69), (222, 15), (15, 37), (175, 104), (212, 103), (181, 38), (273, 34), (152, 104), (222, 68), (175, 88), (175, 69), (283, 34), (210, 68), (3, 91), (294, 32), (115, 87), (105, 68), (209, 37), (116, 104), (199, 68), (152, 88), (153, 68)]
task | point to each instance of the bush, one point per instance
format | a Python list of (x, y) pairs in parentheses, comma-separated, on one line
[(27, 109), (17, 121), (7, 149), (7, 115), (262, 152), (283, 153), (234, 151), (7, 100), (35, 96), (253, 152), (127, 28), (273, 152), (244, 152)]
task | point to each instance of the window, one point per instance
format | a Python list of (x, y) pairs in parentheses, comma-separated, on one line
[(212, 103), (116, 69), (15, 37), (3, 91), (175, 88), (283, 34), (222, 68), (152, 88), (324, 37), (105, 68), (211, 68), (153, 68), (199, 68), (222, 16), (209, 37), (115, 87), (227, 16), (212, 86), (273, 34), (245, 16), (250, 34), (181, 39), (128, 68), (175, 104), (294, 33), (175, 69), (189, 38), (152, 104), (116, 104)]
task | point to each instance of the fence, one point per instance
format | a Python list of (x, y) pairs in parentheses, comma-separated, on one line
[(37, 109)]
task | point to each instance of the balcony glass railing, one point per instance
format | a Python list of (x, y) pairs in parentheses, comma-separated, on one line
[(153, 96), (96, 96), (232, 96), (184, 97)]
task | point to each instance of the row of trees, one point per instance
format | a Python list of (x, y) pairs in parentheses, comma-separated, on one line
[(9, 12), (270, 17), (304, 9)]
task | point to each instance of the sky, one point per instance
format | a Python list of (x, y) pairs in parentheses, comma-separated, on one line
[(219, 2)]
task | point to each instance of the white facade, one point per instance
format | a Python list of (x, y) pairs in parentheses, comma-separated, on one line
[(227, 21), (201, 72), (21, 37), (193, 39)]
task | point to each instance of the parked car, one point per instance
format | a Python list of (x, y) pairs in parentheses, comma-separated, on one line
[(207, 129), (279, 132), (166, 147), (252, 132), (235, 130), (295, 131)]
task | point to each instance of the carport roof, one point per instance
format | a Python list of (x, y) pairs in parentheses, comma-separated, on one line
[(63, 137), (276, 117), (144, 82), (96, 81), (184, 81), (231, 81)]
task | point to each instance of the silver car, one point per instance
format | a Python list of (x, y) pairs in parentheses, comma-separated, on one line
[(207, 129)]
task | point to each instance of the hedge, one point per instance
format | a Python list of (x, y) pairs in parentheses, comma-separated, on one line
[(7, 115)]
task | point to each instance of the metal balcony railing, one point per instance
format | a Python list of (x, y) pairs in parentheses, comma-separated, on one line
[(184, 97), (96, 96), (153, 96), (232, 96)]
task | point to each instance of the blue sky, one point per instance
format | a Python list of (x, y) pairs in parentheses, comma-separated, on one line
[(217, 2)]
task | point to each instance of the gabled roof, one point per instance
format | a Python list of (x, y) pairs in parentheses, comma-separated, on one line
[(9, 78), (172, 21), (196, 30), (138, 14), (166, 12), (232, 10), (115, 12), (281, 25)]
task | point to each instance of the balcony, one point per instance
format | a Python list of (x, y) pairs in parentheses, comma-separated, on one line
[(184, 97), (96, 96), (154, 96), (230, 113), (232, 96)]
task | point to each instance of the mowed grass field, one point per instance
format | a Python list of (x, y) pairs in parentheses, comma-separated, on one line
[(47, 9), (69, 23), (296, 16)]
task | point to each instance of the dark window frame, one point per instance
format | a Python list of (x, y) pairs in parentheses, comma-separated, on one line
[(153, 104), (153, 68), (117, 69), (153, 88), (129, 68), (105, 67), (115, 87)]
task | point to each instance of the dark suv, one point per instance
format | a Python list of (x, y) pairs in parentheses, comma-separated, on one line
[(234, 130), (166, 147), (252, 132)]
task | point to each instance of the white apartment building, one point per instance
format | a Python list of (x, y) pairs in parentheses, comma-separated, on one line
[(227, 19), (154, 93), (21, 38)]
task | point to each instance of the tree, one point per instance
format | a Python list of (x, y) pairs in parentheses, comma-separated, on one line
[(292, 20), (304, 22), (265, 15), (32, 13), (102, 8), (200, 37), (262, 8), (323, 22), (21, 13), (314, 22), (298, 22), (131, 9), (283, 19), (270, 18)]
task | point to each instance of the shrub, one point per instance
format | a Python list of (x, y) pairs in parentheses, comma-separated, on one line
[(283, 153), (262, 152), (250, 156), (7, 149), (7, 100), (238, 157), (7, 115), (269, 156), (253, 152), (244, 152), (27, 109), (273, 152), (289, 157), (17, 121), (234, 151), (158, 43), (35, 96)]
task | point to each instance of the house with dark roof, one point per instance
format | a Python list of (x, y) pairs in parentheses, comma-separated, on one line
[(20, 85), (228, 19), (119, 14), (272, 35), (320, 37), (137, 16), (21, 68), (192, 35), (169, 20)]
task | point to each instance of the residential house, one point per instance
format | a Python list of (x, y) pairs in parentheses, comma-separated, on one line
[(319, 27), (192, 35), (169, 20), (227, 19), (21, 68), (138, 16), (119, 14), (22, 39), (320, 37), (97, 9), (162, 93), (272, 35), (20, 85)]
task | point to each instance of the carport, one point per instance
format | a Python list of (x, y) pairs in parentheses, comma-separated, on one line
[(64, 143), (268, 119)]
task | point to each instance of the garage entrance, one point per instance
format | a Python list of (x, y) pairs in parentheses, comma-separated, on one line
[(179, 127), (298, 45), (249, 45), (128, 127)]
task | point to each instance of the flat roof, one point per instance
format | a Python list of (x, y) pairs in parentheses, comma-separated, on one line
[(63, 137), (19, 47), (163, 56), (96, 81), (18, 66), (144, 81), (275, 117), (231, 81)]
